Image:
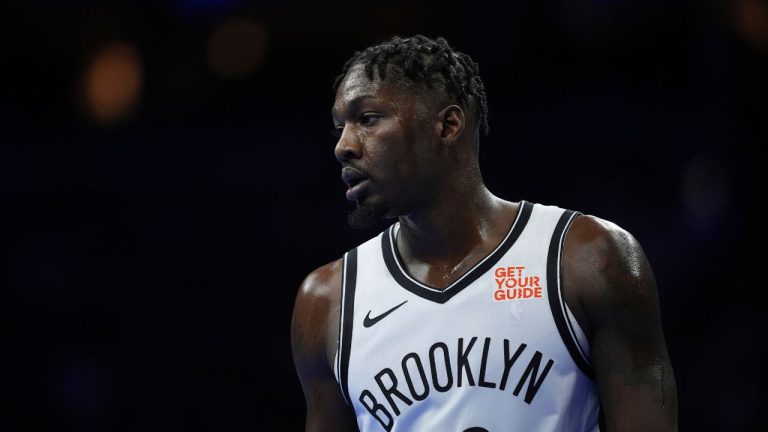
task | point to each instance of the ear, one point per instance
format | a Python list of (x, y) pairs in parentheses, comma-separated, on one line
[(450, 123)]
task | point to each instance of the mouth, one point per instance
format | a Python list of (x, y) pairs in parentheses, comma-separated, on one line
[(356, 182), (356, 191)]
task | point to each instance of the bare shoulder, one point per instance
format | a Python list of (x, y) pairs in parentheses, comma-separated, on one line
[(322, 283), (604, 267), (601, 242), (315, 314)]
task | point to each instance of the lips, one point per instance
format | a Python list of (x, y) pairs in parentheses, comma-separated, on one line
[(356, 182)]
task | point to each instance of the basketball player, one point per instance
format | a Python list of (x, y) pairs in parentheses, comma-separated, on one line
[(469, 312)]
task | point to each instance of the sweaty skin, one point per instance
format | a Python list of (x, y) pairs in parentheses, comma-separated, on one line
[(419, 154)]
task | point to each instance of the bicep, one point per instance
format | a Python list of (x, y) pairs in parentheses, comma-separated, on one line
[(632, 367), (628, 352)]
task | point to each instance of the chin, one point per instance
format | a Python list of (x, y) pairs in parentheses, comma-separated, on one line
[(367, 214)]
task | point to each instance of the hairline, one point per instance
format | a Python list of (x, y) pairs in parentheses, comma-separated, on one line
[(436, 92)]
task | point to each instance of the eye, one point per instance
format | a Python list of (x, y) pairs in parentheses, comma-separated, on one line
[(336, 131), (369, 119)]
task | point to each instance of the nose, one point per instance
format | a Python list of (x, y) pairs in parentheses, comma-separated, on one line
[(348, 146)]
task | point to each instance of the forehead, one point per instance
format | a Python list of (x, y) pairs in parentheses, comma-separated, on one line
[(356, 87)]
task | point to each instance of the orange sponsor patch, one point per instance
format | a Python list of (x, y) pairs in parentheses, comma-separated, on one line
[(513, 284)]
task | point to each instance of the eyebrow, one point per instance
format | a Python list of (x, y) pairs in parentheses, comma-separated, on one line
[(357, 100)]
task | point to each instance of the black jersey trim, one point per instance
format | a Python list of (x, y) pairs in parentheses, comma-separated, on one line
[(397, 270), (555, 293), (349, 278)]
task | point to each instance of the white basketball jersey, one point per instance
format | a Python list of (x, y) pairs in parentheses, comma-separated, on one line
[(497, 350)]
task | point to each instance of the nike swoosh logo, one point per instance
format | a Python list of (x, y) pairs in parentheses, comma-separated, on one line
[(368, 321)]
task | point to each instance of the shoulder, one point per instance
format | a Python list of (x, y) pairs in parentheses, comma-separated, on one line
[(600, 247), (315, 314), (601, 240), (604, 268), (316, 311), (593, 241), (323, 282)]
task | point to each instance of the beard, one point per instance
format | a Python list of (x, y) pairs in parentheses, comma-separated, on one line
[(365, 216)]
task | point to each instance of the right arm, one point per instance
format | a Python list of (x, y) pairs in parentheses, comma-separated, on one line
[(314, 336)]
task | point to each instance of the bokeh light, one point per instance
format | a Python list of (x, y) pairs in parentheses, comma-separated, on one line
[(751, 20), (237, 48), (113, 83)]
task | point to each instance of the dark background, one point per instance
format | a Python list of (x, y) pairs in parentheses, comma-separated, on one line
[(167, 180)]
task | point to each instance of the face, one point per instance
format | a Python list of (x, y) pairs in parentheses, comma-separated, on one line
[(387, 146)]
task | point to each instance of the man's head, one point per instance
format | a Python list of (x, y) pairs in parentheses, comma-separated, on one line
[(427, 63), (408, 113)]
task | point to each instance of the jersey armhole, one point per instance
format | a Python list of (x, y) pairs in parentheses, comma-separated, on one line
[(570, 332), (579, 335), (346, 317)]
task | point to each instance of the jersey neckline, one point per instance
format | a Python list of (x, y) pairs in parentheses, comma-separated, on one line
[(396, 268)]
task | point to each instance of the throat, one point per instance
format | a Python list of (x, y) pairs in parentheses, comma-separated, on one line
[(440, 272), (440, 261)]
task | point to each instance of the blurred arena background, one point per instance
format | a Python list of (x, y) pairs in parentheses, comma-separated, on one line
[(167, 180)]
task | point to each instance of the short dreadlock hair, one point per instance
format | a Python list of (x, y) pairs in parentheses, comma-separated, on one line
[(429, 62)]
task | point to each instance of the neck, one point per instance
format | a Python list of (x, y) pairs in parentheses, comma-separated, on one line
[(459, 221)]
